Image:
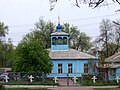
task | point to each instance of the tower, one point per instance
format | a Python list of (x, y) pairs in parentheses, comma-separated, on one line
[(59, 39)]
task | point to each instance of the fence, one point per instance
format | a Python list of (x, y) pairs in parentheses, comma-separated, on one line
[(50, 79), (22, 76)]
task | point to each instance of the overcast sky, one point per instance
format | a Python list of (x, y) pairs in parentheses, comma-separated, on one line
[(21, 15)]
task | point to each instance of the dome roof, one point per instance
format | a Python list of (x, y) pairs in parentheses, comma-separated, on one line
[(59, 26)]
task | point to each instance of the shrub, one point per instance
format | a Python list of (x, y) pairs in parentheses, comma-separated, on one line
[(98, 83), (1, 87)]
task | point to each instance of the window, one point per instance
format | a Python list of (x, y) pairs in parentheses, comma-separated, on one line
[(70, 68), (64, 40), (59, 68), (59, 40), (85, 68), (54, 41), (112, 71)]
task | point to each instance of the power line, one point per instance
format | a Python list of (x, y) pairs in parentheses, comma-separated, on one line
[(22, 25), (90, 24), (79, 19), (91, 17)]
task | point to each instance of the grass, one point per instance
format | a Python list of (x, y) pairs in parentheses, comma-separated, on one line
[(98, 83), (107, 89), (118, 88), (29, 83)]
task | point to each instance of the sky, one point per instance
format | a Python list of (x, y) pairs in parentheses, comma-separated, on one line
[(21, 15)]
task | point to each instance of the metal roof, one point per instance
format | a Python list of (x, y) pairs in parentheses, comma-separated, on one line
[(71, 54), (113, 58), (110, 66), (59, 34)]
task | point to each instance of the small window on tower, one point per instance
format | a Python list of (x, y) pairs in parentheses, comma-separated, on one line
[(59, 40), (54, 41), (65, 40)]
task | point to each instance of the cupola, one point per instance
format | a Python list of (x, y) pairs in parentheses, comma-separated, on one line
[(59, 39)]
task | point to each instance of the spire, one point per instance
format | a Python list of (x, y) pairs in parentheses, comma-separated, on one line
[(58, 19), (59, 27)]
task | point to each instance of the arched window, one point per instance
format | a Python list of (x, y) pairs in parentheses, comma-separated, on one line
[(59, 40), (54, 41), (64, 40)]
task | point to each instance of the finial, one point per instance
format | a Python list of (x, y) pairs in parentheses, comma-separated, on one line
[(58, 19), (59, 27)]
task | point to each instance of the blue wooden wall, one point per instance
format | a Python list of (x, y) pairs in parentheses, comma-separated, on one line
[(59, 48), (116, 74), (77, 67)]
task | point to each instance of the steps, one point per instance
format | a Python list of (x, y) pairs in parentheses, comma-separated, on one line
[(66, 82)]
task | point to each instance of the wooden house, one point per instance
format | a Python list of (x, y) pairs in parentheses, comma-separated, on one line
[(67, 61)]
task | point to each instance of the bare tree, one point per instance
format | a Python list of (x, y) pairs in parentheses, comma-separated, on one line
[(109, 38), (91, 3), (117, 36)]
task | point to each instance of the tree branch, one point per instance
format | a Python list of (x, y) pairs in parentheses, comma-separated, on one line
[(117, 1), (77, 4), (98, 3)]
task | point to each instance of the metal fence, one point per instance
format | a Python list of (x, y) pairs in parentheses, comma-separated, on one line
[(23, 76), (54, 77)]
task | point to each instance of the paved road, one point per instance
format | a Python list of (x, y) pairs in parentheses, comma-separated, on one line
[(81, 87), (71, 88), (49, 87), (59, 88)]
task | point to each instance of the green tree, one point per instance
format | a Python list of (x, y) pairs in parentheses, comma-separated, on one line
[(8, 53), (73, 34), (3, 32), (6, 50), (43, 30), (78, 40), (31, 55), (83, 42)]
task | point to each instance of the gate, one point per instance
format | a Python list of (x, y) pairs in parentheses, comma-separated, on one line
[(65, 79)]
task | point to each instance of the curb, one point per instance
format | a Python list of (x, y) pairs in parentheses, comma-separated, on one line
[(43, 86), (28, 86)]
